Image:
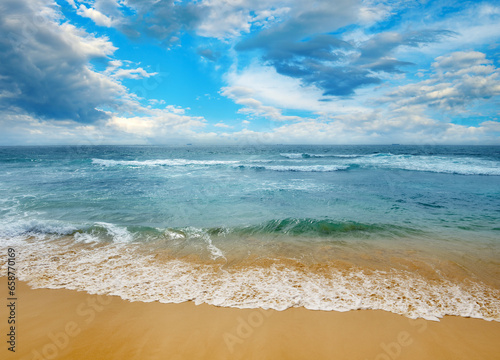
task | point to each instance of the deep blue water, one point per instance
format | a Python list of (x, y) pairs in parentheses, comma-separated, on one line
[(441, 189)]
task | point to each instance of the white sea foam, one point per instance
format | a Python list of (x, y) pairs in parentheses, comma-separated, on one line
[(307, 155), (173, 235), (119, 234), (308, 168), (122, 270), (298, 168), (292, 155), (438, 164), (196, 233), (161, 162), (86, 238), (33, 228)]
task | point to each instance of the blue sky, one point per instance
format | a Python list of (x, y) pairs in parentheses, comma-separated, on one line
[(249, 72)]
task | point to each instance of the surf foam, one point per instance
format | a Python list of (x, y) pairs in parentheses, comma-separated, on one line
[(160, 162), (127, 271)]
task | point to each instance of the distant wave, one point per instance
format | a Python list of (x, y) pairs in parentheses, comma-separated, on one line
[(303, 162), (438, 164), (164, 162), (309, 156), (305, 168)]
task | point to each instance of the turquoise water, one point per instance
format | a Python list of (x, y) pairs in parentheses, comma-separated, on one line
[(428, 216)]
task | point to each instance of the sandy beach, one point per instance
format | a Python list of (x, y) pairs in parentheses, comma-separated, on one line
[(65, 324)]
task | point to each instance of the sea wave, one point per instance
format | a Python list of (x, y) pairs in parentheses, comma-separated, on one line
[(459, 165), (312, 156), (23, 229), (436, 164), (113, 233), (43, 229), (128, 272), (160, 162), (301, 162), (318, 228), (295, 168)]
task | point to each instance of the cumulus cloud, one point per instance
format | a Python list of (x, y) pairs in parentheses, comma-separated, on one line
[(72, 3), (404, 114), (266, 85), (138, 73), (163, 20), (112, 8), (321, 60), (222, 125), (45, 65), (460, 60), (106, 13), (338, 131), (460, 79), (376, 53), (153, 126), (220, 19), (253, 107), (159, 124), (474, 24), (167, 128), (303, 47), (97, 17)]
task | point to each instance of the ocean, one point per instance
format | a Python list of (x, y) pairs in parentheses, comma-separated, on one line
[(414, 230)]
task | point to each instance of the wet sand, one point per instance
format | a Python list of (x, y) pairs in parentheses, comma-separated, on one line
[(65, 324)]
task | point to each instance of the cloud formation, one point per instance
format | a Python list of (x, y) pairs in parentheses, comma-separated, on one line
[(98, 17), (289, 71), (459, 79), (336, 66), (45, 65), (253, 107)]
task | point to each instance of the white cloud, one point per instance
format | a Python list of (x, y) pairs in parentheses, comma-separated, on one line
[(238, 16), (161, 126), (61, 84), (491, 126), (315, 131), (372, 12), (111, 8), (96, 16), (138, 73), (404, 115), (253, 107), (264, 85), (461, 79), (476, 25), (72, 3), (46, 71), (461, 60), (222, 125)]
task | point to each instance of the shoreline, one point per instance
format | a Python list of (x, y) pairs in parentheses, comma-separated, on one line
[(68, 324)]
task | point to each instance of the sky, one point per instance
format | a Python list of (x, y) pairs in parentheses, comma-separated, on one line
[(173, 72)]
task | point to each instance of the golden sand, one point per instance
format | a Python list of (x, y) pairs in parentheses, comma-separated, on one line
[(65, 324)]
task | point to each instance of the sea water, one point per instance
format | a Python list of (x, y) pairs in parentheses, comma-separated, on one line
[(414, 230)]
